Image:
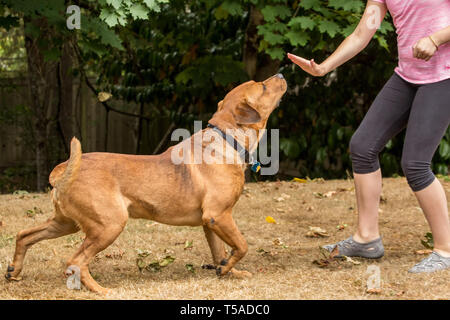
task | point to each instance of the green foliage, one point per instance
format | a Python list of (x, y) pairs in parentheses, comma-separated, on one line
[(116, 12), (166, 55)]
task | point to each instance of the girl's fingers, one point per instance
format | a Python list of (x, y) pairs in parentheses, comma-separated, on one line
[(297, 59)]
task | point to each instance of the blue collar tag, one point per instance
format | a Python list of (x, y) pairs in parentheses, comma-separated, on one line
[(256, 166)]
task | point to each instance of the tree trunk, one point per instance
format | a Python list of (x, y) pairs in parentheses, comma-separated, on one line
[(66, 113), (259, 66), (41, 80)]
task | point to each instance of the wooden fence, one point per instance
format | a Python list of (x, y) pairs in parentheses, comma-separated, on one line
[(90, 122)]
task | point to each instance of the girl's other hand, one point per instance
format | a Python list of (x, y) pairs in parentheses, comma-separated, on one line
[(308, 65), (424, 49)]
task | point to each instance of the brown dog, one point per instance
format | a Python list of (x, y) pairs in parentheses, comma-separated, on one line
[(97, 192)]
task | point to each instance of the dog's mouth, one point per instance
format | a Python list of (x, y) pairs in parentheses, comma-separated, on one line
[(278, 103)]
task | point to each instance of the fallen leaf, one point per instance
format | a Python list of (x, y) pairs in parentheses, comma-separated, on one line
[(329, 194), (140, 263), (322, 263), (299, 180), (188, 244), (103, 96), (374, 290), (154, 266), (265, 253), (316, 232), (348, 259), (269, 219), (278, 199), (148, 225), (345, 189), (190, 267), (279, 243), (318, 195), (341, 226), (261, 251), (166, 261), (428, 241), (115, 255), (143, 253), (425, 251)]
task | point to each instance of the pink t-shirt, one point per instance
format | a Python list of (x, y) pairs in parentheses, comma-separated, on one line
[(413, 20)]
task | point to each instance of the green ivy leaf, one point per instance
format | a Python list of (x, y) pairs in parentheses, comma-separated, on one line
[(386, 27), (138, 11), (347, 5), (348, 30), (109, 17), (115, 3), (308, 4), (330, 27), (269, 36), (382, 42), (228, 8), (444, 149), (302, 22), (276, 53), (155, 5), (297, 38), (271, 12)]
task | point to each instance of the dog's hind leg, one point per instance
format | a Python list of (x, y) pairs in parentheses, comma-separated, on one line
[(218, 252), (225, 228), (56, 227), (98, 237)]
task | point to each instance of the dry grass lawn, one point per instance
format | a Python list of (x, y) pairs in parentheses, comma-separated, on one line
[(280, 270)]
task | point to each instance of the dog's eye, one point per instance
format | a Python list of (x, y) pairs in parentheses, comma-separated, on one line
[(264, 87)]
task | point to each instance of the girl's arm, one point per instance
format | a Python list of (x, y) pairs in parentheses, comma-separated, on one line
[(426, 47), (351, 46)]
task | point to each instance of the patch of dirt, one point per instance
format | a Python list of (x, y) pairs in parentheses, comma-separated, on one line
[(281, 252)]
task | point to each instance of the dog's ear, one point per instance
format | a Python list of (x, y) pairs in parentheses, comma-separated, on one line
[(220, 105), (244, 114)]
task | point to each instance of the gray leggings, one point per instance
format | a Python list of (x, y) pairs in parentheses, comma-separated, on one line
[(423, 109)]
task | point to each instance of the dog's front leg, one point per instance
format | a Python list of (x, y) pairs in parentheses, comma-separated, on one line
[(224, 226)]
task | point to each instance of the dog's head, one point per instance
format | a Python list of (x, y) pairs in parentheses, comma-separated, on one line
[(250, 104)]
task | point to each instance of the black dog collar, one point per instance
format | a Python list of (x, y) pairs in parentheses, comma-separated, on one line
[(243, 153)]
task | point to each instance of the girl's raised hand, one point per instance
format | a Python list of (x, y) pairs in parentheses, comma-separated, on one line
[(308, 65)]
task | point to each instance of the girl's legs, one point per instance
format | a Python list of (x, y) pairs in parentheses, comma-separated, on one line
[(433, 202), (368, 191), (387, 116), (428, 122)]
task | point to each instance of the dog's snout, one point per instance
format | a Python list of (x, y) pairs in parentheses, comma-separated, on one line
[(279, 75)]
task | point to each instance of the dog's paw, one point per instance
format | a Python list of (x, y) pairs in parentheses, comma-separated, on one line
[(241, 274), (9, 276)]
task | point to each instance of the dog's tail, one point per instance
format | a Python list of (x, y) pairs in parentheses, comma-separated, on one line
[(62, 182)]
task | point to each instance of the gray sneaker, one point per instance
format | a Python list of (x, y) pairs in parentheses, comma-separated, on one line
[(350, 248), (434, 262)]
